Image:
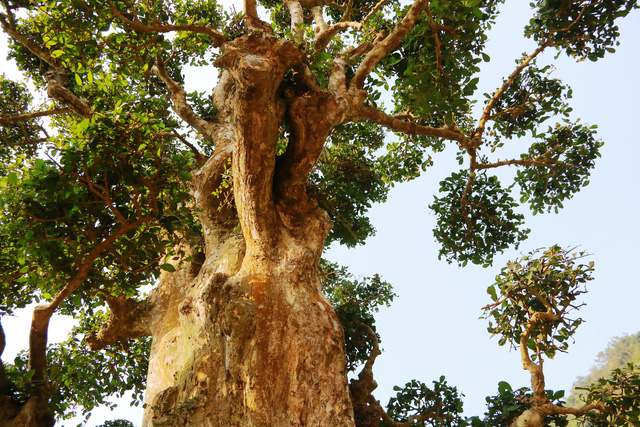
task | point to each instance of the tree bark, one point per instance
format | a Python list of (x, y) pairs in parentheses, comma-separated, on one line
[(247, 338), (532, 417)]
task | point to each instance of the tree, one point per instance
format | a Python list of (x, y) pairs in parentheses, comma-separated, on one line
[(227, 200), (533, 304), (620, 352)]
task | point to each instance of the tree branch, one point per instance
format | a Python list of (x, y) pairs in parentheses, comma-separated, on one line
[(346, 15), (323, 38), (8, 25), (128, 319), (135, 24), (535, 370), (436, 39), (257, 65), (311, 119), (180, 105), (252, 21), (297, 20), (381, 49), (211, 202), (200, 158), (519, 162), (42, 313), (578, 412), (56, 85), (318, 18), (486, 113), (410, 128), (38, 343), (373, 11), (21, 117), (57, 89)]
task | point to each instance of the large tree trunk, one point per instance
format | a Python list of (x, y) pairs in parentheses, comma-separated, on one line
[(247, 337), (247, 349)]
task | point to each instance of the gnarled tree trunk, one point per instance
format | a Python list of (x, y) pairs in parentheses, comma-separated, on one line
[(246, 338)]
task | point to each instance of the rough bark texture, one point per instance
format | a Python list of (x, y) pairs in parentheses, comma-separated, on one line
[(530, 418), (247, 337)]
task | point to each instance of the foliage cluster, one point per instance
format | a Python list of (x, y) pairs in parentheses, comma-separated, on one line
[(533, 297)]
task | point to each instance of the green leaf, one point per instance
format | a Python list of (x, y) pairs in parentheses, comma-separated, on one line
[(491, 290), (168, 267), (504, 387), (13, 178)]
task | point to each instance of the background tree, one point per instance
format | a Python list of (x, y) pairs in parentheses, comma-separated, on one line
[(292, 129), (533, 309), (620, 352)]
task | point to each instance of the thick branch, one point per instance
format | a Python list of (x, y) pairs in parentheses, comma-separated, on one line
[(57, 89), (252, 21), (311, 118), (297, 20), (257, 65), (128, 319), (323, 38), (536, 414), (27, 116), (387, 45), (338, 77), (250, 10), (346, 15), (212, 207), (535, 370), (135, 24), (578, 412), (38, 343), (180, 105), (318, 18), (410, 128)]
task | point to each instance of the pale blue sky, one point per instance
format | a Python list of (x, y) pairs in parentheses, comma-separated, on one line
[(433, 329)]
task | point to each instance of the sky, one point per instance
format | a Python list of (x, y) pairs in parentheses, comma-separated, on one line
[(433, 327)]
